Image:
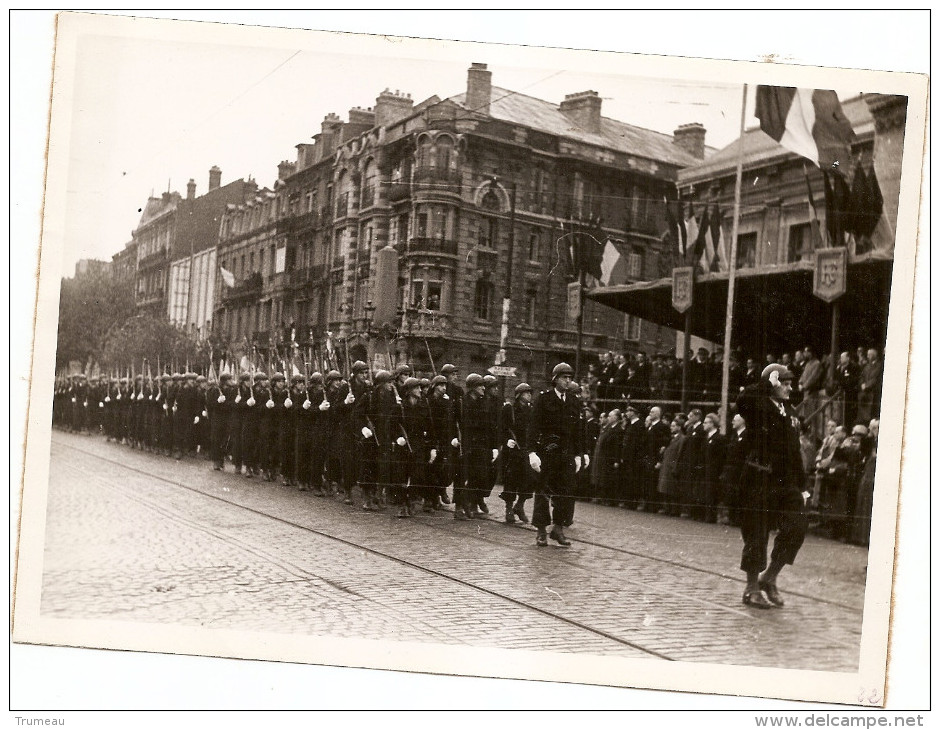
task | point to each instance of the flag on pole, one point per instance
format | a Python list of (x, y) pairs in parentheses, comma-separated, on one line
[(866, 203), (227, 277), (613, 265), (716, 233), (676, 225), (837, 207), (815, 230), (809, 122), (691, 230)]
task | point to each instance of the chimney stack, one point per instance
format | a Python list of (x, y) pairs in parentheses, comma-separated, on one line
[(215, 177), (362, 117), (285, 169), (392, 107), (479, 88), (691, 138), (191, 189), (584, 109)]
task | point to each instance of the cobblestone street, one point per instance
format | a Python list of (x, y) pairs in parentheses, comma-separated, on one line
[(136, 537)]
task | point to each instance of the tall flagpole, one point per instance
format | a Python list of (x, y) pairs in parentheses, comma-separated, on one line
[(732, 267)]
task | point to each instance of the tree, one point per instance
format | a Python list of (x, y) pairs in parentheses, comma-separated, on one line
[(156, 341), (89, 305)]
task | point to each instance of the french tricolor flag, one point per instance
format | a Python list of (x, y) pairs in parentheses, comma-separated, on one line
[(809, 122)]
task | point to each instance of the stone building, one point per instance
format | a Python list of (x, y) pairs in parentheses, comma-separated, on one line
[(451, 186), (124, 262)]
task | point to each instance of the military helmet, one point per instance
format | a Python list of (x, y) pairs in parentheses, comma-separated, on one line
[(316, 379), (278, 378), (190, 375), (334, 375), (261, 377), (474, 380), (225, 377), (165, 378), (523, 388), (490, 380), (201, 379), (297, 378), (411, 384), (137, 378), (562, 368), (425, 382), (359, 367), (438, 380), (448, 369), (244, 377), (403, 369), (382, 377)]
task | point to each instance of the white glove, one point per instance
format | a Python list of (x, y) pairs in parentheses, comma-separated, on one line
[(141, 396), (366, 433), (238, 398), (101, 404), (587, 461), (495, 454), (149, 397), (350, 398), (577, 463), (512, 444), (174, 407), (324, 405), (288, 402), (806, 496), (535, 462), (85, 404), (74, 399), (118, 398), (269, 404), (446, 397), (433, 456), (400, 441), (205, 415), (107, 399), (455, 443), (166, 407), (196, 420), (221, 399), (307, 404), (250, 402)]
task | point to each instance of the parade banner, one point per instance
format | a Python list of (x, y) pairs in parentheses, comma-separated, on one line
[(682, 280), (830, 273)]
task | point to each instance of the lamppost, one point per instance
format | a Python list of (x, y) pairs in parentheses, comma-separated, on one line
[(507, 295)]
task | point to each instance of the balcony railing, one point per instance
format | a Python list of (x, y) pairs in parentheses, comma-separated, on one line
[(157, 256), (398, 190), (425, 323), (436, 178), (250, 287), (420, 244), (298, 223)]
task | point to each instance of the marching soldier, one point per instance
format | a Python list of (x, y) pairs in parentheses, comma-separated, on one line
[(454, 395), (479, 448), (514, 423), (363, 432), (239, 414), (185, 414), (251, 424), (109, 409), (220, 403), (124, 409), (136, 428), (373, 417), (492, 404), (201, 422), (556, 454), (166, 414), (412, 449), (267, 428), (319, 433), (439, 438), (339, 473), (288, 430)]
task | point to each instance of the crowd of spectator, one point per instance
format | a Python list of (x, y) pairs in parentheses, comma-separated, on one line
[(680, 464)]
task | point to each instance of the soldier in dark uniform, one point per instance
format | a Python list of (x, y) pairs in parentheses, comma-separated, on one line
[(556, 454), (250, 423), (514, 425), (79, 402), (287, 429), (439, 438), (163, 403), (337, 475), (731, 473), (411, 449), (123, 410), (454, 395), (319, 433), (136, 428), (109, 408), (633, 456), (220, 403), (184, 415), (658, 437), (201, 422), (364, 432), (267, 428), (772, 485), (377, 421), (493, 405), (715, 454), (479, 447), (150, 415)]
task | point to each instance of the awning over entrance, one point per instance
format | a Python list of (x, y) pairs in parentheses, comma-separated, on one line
[(774, 307)]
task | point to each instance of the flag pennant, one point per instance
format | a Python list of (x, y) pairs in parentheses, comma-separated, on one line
[(809, 122), (691, 230), (613, 265), (717, 236), (676, 225), (227, 277), (837, 207), (866, 203)]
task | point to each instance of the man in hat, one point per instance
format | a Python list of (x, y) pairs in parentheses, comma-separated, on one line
[(267, 428), (220, 403), (377, 422), (250, 421), (319, 415), (242, 395), (411, 450), (185, 415), (658, 436), (162, 402), (338, 416), (556, 454), (201, 422), (514, 425), (363, 429), (454, 395), (492, 405), (633, 455), (772, 482)]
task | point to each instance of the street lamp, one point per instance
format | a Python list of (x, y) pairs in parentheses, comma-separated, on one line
[(507, 296)]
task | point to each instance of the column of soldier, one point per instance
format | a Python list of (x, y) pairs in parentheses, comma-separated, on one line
[(402, 440)]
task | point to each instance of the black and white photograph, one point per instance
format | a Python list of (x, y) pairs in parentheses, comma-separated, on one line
[(467, 364)]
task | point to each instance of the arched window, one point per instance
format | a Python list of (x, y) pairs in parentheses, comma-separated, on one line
[(369, 181), (445, 153), (423, 157)]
